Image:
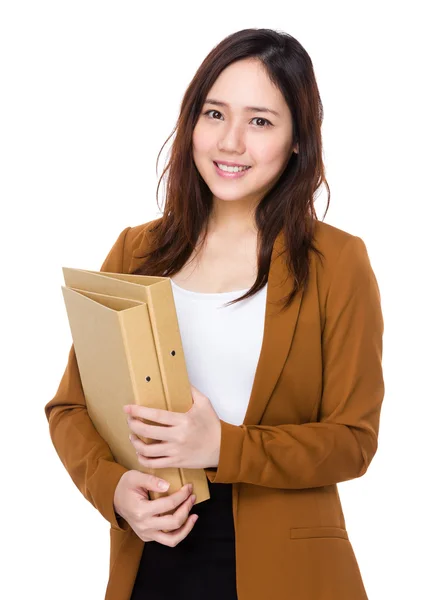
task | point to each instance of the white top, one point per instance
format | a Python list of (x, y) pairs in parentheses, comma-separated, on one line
[(221, 345)]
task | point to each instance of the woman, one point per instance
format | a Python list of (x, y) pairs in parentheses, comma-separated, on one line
[(281, 325)]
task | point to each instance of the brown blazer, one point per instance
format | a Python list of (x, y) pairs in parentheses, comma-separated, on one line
[(312, 421)]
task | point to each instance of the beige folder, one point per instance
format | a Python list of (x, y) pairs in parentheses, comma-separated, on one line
[(129, 351)]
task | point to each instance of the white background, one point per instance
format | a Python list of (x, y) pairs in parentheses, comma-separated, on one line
[(89, 93)]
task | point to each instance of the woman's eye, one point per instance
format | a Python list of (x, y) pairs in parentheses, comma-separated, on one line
[(266, 122), (212, 111)]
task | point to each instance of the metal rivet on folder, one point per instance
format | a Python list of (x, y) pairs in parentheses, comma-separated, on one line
[(148, 378), (173, 353)]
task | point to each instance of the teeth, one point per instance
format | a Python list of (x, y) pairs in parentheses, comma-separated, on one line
[(231, 169)]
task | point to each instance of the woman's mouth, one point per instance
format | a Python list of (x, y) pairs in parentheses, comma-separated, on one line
[(230, 172)]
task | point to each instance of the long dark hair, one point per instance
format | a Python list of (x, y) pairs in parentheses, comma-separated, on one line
[(289, 205)]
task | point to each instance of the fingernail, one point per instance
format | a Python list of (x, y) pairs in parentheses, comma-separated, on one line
[(190, 487), (193, 498), (164, 485)]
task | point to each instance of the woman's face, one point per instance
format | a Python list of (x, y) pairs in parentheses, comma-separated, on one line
[(236, 134)]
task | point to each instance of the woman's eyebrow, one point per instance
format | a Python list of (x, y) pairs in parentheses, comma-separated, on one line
[(246, 108)]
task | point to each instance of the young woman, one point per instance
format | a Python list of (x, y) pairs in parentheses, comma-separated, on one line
[(281, 324)]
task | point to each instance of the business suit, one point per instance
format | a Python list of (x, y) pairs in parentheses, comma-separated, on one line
[(312, 421)]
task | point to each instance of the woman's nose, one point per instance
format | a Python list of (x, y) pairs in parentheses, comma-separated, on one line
[(232, 139)]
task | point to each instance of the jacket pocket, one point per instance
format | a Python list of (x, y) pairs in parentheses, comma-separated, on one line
[(298, 533)]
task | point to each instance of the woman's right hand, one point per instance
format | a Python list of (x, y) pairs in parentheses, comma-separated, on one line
[(131, 501)]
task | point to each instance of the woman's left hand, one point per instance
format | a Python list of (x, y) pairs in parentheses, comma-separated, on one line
[(191, 440)]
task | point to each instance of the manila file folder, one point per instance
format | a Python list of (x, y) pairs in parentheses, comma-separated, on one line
[(129, 351)]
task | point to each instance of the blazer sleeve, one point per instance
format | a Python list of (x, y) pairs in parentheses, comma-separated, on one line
[(341, 444), (83, 452)]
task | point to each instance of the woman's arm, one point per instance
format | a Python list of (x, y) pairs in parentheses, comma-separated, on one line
[(83, 452), (341, 445)]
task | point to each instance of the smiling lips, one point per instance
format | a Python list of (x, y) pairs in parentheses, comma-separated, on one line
[(231, 172), (228, 163), (229, 167)]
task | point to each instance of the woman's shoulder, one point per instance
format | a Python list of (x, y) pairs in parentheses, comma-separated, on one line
[(138, 234), (344, 253), (333, 241), (330, 238)]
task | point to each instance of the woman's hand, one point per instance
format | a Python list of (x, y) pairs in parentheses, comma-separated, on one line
[(145, 516), (191, 440)]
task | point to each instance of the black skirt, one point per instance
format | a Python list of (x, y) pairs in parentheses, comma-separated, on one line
[(202, 565)]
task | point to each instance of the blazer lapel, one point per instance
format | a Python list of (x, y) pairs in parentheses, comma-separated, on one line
[(278, 330), (278, 334)]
